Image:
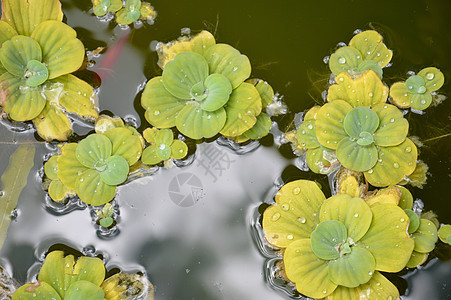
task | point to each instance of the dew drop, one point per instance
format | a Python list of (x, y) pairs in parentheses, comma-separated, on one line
[(285, 206), (408, 149), (290, 237), (370, 171), (356, 215), (402, 220), (301, 220), (341, 60), (423, 101), (430, 76), (310, 126), (324, 292), (296, 191), (156, 113), (275, 217), (395, 165), (392, 120), (370, 94)]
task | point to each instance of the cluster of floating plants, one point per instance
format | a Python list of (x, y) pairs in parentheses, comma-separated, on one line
[(335, 248), (38, 54), (125, 13), (66, 277)]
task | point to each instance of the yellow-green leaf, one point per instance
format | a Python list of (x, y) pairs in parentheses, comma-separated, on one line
[(13, 180), (6, 32), (444, 234), (53, 123), (416, 259), (400, 95), (370, 44), (310, 274), (329, 123), (69, 168), (62, 52), (26, 15), (387, 238), (365, 90), (425, 237), (295, 213)]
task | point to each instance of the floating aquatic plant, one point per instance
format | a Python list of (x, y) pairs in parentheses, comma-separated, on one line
[(367, 134), (95, 166), (65, 277), (337, 247), (366, 51), (202, 91), (38, 53), (162, 146), (444, 234), (105, 215), (133, 11), (102, 7), (417, 91)]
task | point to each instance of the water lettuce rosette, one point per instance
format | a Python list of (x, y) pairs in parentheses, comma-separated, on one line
[(38, 53), (367, 134), (416, 91), (162, 146), (66, 277), (202, 90), (335, 248), (97, 164), (366, 51)]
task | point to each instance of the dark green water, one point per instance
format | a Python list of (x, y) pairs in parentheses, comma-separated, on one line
[(206, 249)]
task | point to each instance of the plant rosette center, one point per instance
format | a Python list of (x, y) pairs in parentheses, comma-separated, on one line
[(36, 73)]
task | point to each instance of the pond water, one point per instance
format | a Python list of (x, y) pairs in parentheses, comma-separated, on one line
[(194, 230)]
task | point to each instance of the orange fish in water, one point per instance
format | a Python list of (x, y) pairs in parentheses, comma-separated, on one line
[(105, 66)]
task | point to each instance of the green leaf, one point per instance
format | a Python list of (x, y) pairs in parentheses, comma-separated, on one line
[(416, 259), (393, 127), (106, 222), (17, 52), (353, 269), (164, 136), (196, 123), (6, 32), (393, 164), (101, 7), (370, 65), (414, 220), (260, 129), (295, 214), (378, 287), (150, 134), (25, 15), (93, 149), (74, 94), (356, 157), (358, 120), (345, 59), (36, 73), (150, 155), (387, 238), (354, 213), (433, 78), (329, 123), (310, 274), (58, 191), (36, 291), (125, 144), (420, 101), (366, 90), (327, 240), (89, 269), (425, 237), (161, 107), (50, 168), (316, 161), (198, 43), (406, 200), (178, 149), (53, 123), (22, 103), (415, 84), (400, 95), (242, 110), (124, 17), (62, 52), (370, 44), (84, 290), (69, 168), (444, 234), (92, 190), (116, 170), (264, 89), (57, 271), (306, 135), (226, 60), (105, 123), (218, 90), (164, 151), (182, 73), (13, 180)]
